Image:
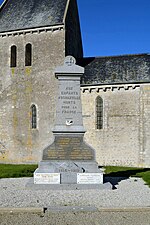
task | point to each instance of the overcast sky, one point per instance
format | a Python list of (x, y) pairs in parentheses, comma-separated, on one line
[(114, 27)]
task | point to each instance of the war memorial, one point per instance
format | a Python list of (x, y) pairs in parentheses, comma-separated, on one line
[(69, 162)]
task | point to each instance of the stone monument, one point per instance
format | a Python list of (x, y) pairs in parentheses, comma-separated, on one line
[(69, 161)]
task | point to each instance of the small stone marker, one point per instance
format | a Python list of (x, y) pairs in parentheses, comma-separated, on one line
[(68, 160)]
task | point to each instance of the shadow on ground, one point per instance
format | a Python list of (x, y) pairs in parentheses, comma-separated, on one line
[(115, 177)]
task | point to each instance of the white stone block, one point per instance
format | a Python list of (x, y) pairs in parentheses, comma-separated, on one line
[(89, 178), (46, 178)]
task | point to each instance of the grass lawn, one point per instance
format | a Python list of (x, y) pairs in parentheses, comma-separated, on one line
[(114, 171), (11, 171)]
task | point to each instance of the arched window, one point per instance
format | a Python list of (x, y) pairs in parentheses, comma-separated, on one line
[(13, 59), (28, 55), (99, 113), (33, 117)]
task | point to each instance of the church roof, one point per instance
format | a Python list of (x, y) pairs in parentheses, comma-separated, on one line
[(116, 69), (22, 14)]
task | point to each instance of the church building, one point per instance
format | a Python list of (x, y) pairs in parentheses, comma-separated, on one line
[(35, 37)]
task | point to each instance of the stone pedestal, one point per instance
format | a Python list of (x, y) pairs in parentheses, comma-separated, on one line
[(68, 172), (69, 160)]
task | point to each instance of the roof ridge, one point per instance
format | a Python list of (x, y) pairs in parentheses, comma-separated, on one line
[(66, 9), (116, 56)]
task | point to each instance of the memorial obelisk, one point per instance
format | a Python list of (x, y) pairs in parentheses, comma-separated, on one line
[(69, 160)]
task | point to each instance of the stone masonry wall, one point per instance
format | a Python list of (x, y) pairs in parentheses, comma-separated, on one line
[(23, 86), (124, 139), (145, 125)]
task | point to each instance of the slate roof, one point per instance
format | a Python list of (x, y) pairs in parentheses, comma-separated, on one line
[(116, 69), (22, 14)]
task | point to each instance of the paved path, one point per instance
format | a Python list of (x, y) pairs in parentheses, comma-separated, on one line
[(77, 218)]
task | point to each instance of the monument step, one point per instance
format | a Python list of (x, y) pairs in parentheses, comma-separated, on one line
[(31, 185)]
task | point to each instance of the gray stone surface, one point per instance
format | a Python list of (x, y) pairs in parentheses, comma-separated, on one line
[(69, 147), (68, 130), (68, 171), (69, 183), (69, 110), (74, 155)]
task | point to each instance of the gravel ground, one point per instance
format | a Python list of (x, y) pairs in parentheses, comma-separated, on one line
[(129, 193)]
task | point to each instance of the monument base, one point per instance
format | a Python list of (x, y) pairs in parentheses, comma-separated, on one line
[(68, 175)]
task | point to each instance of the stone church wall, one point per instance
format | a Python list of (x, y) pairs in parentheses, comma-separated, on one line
[(145, 125), (124, 139), (22, 86)]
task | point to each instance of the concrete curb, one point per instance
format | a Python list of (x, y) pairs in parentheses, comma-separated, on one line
[(72, 209), (22, 210), (125, 209)]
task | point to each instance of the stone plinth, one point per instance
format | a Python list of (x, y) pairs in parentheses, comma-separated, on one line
[(70, 172)]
